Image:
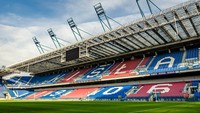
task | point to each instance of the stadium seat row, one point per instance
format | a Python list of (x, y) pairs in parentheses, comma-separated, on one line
[(171, 90), (162, 63), (2, 90)]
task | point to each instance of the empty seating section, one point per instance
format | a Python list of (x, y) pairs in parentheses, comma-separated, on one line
[(55, 94), (192, 54), (78, 93), (2, 89), (197, 94), (107, 74), (19, 81), (73, 75), (122, 69), (35, 80), (47, 79), (141, 91), (195, 89), (142, 68), (38, 94), (24, 80), (19, 93), (10, 82), (95, 73), (166, 62), (195, 84), (13, 81), (162, 63), (159, 64), (145, 61), (111, 92), (163, 90), (172, 90)]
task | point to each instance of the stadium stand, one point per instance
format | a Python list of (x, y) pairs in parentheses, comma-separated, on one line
[(160, 91), (195, 88), (20, 81), (166, 63), (73, 75), (10, 82), (192, 54), (165, 91), (35, 80), (13, 81), (79, 93), (145, 62), (122, 69), (37, 95), (2, 89), (47, 79), (55, 94), (19, 94), (161, 63), (175, 91), (95, 73), (111, 92), (24, 80)]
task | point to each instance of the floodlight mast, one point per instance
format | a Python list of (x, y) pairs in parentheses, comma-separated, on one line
[(74, 29), (149, 2), (54, 38), (41, 48), (103, 18), (141, 11), (38, 45)]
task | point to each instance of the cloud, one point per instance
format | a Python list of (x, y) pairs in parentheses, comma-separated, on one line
[(16, 31), (17, 46)]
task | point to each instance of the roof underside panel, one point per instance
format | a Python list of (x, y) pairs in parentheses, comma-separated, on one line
[(196, 22)]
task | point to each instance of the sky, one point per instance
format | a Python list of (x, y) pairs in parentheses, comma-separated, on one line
[(20, 20)]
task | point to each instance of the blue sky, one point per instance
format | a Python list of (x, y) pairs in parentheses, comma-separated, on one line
[(25, 8), (20, 20)]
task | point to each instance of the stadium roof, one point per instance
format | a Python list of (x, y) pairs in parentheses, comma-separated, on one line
[(4, 71), (177, 24)]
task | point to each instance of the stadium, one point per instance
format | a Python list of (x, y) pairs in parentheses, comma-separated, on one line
[(148, 65)]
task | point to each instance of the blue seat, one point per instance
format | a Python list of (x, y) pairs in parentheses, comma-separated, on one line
[(192, 54), (20, 93), (2, 89), (166, 62), (95, 73), (110, 92), (47, 79), (55, 94)]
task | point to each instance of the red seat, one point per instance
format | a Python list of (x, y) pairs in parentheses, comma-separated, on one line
[(175, 91), (142, 91), (73, 75), (123, 69), (164, 90), (144, 62), (38, 94), (79, 93)]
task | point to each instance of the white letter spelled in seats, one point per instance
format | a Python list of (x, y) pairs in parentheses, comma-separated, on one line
[(164, 87), (119, 69), (113, 89), (160, 62)]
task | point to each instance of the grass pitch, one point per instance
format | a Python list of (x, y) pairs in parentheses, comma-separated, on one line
[(97, 107)]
